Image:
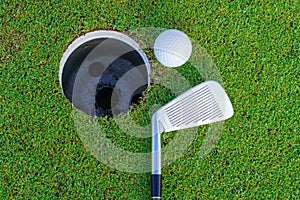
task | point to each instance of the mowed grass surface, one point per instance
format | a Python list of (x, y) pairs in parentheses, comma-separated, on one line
[(256, 46)]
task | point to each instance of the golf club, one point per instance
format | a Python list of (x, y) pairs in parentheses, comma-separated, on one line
[(203, 104)]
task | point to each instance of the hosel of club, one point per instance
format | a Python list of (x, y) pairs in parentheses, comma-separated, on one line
[(156, 180)]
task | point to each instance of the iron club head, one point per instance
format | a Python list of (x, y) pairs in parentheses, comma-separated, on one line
[(203, 104)]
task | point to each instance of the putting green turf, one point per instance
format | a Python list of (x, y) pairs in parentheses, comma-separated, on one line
[(256, 47)]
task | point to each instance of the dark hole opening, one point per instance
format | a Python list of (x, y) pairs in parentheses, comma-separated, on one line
[(104, 98)]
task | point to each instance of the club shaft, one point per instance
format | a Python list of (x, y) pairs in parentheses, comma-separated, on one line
[(156, 154), (156, 180)]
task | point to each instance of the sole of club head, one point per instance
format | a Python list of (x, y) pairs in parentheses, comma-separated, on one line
[(202, 104)]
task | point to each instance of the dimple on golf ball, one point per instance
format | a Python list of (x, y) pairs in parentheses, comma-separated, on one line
[(172, 48)]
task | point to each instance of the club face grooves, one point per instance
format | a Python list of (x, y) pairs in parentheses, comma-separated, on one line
[(197, 106)]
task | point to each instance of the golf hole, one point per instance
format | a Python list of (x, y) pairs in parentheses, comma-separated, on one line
[(104, 73)]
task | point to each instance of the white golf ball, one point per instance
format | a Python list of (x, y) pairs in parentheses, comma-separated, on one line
[(172, 48)]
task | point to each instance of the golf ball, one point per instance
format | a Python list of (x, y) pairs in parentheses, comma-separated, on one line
[(172, 48)]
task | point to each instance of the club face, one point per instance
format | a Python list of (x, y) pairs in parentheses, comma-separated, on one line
[(203, 104)]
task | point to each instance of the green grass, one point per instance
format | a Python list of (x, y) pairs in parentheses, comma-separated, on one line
[(256, 47)]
